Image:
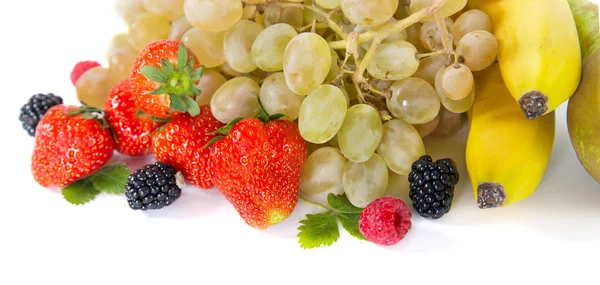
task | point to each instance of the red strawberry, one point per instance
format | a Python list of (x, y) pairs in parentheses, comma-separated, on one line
[(257, 166), (131, 130), (181, 143), (70, 143), (164, 76)]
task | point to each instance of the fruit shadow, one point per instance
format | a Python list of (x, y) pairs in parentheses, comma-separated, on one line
[(565, 205), (192, 203)]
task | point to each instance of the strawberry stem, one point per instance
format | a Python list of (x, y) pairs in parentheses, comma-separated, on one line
[(180, 83)]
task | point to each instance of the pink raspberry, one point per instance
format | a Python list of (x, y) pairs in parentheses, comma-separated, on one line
[(80, 68), (385, 221)]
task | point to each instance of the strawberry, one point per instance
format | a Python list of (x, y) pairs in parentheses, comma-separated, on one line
[(131, 128), (257, 166), (70, 143), (181, 142), (165, 78)]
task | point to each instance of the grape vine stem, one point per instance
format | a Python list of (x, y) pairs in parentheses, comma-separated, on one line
[(333, 25), (387, 30)]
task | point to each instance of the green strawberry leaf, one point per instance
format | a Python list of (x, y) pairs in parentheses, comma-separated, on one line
[(350, 223), (80, 192), (177, 103), (111, 179), (341, 204), (225, 130), (167, 66), (197, 74), (192, 106), (182, 57), (318, 230), (154, 73)]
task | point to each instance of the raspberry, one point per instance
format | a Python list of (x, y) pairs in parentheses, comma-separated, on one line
[(385, 221), (80, 68)]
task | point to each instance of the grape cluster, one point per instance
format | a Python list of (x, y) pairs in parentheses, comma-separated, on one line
[(364, 83)]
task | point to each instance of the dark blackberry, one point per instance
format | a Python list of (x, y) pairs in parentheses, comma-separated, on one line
[(35, 109), (152, 187), (432, 186)]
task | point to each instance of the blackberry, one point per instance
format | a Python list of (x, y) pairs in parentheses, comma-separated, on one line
[(35, 109), (432, 186), (152, 187)]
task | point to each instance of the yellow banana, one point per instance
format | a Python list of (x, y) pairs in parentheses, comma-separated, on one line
[(507, 154), (538, 51)]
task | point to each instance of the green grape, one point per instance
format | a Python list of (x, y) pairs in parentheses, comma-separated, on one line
[(427, 128), (94, 85), (449, 8), (120, 62), (128, 10), (429, 67), (413, 35), (306, 62), (457, 81), (413, 100), (430, 35), (455, 106), (148, 28), (170, 9), (207, 46), (450, 123), (369, 13), (400, 146), (178, 28), (365, 181), (254, 1), (290, 15), (234, 99), (394, 60), (227, 70), (238, 45), (360, 133), (269, 46), (470, 21), (210, 82), (322, 114), (328, 4), (478, 49), (213, 15), (335, 69), (249, 12), (277, 98), (323, 172)]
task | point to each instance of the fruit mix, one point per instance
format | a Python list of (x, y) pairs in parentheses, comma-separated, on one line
[(272, 102)]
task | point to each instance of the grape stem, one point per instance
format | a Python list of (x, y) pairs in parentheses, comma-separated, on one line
[(333, 25), (313, 203), (432, 54), (445, 36), (387, 30)]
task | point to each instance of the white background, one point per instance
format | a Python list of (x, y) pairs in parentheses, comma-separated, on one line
[(552, 236)]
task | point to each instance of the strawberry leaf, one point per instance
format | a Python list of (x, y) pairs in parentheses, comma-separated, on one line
[(154, 74), (318, 230), (197, 74), (182, 57), (111, 179), (192, 106), (80, 192), (177, 103), (225, 130), (167, 66), (350, 224)]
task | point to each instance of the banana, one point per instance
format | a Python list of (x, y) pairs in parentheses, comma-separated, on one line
[(584, 106), (538, 51), (507, 154)]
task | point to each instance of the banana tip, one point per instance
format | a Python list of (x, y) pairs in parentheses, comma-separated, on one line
[(490, 195), (534, 104)]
